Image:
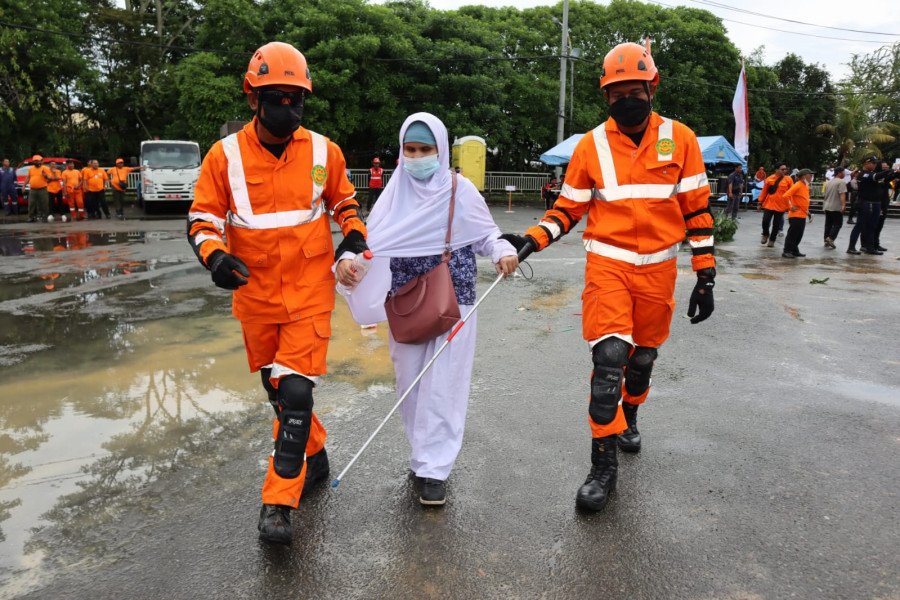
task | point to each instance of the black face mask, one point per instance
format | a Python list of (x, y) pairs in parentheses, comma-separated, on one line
[(281, 120), (630, 111)]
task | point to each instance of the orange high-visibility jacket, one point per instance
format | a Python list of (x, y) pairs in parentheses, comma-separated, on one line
[(118, 177), (38, 177), (274, 214), (72, 179), (776, 201), (639, 200), (94, 179), (797, 198), (54, 186)]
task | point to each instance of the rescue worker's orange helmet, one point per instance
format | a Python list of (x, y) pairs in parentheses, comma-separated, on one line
[(629, 62), (277, 63), (36, 158)]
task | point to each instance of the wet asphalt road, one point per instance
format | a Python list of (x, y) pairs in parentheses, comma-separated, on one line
[(769, 468)]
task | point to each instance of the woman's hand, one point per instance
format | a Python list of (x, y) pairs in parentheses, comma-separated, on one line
[(345, 273), (507, 265)]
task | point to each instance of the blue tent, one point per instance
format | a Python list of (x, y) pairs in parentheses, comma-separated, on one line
[(561, 153), (716, 150)]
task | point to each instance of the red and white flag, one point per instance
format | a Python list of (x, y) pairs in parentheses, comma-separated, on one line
[(741, 109)]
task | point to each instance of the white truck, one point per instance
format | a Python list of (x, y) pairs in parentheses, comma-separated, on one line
[(172, 169)]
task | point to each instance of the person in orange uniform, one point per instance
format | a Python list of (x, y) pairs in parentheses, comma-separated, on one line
[(798, 212), (118, 178), (268, 190), (95, 180), (74, 190), (773, 203), (376, 183), (55, 193), (760, 174), (640, 178), (38, 178)]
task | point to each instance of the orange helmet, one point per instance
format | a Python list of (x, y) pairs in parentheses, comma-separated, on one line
[(36, 158), (629, 62), (277, 63)]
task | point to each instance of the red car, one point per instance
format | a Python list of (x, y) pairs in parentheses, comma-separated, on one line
[(22, 171)]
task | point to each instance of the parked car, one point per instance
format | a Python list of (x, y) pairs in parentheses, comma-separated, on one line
[(22, 171)]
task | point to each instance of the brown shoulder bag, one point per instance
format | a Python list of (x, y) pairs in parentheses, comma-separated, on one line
[(426, 306)]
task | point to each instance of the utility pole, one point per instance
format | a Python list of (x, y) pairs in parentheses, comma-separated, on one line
[(563, 50)]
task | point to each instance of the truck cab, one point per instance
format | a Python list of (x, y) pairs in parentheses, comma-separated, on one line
[(172, 169)]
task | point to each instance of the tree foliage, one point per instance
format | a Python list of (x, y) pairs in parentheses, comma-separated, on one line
[(491, 72)]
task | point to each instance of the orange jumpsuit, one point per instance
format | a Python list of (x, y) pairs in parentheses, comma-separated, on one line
[(639, 201), (273, 213), (74, 192)]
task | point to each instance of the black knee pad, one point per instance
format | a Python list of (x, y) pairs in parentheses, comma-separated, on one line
[(609, 357), (295, 417), (265, 373), (640, 366)]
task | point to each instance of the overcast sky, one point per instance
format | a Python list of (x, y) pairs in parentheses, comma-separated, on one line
[(748, 31)]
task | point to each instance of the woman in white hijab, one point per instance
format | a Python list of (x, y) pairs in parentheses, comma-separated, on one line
[(407, 229)]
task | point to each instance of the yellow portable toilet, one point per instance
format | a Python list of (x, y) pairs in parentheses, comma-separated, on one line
[(468, 154)]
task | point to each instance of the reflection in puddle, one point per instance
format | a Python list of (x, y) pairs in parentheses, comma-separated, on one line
[(17, 243), (98, 389), (97, 409)]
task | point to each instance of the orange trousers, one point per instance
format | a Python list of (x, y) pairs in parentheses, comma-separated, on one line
[(299, 348), (635, 303), (75, 200)]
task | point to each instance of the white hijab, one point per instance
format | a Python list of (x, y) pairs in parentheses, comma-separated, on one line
[(410, 220)]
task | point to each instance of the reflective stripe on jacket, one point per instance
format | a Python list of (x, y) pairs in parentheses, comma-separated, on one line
[(639, 199), (375, 177), (272, 213)]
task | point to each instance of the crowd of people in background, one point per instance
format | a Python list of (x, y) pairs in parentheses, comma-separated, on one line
[(54, 190)]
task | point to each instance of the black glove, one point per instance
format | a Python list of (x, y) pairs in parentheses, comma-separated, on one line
[(223, 266), (353, 242), (702, 296), (524, 244)]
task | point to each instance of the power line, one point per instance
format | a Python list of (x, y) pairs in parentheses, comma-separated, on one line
[(826, 37), (756, 14)]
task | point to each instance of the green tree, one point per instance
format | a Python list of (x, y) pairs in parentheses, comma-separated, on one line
[(37, 71), (853, 133)]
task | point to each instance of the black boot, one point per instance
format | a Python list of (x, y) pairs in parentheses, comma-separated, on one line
[(316, 468), (630, 439), (275, 524), (594, 494)]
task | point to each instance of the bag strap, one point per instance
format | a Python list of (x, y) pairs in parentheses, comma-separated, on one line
[(774, 187), (446, 255)]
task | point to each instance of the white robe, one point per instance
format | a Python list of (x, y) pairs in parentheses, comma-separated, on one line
[(410, 220)]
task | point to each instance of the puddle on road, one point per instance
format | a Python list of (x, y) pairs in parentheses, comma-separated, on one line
[(23, 242), (760, 276), (97, 409)]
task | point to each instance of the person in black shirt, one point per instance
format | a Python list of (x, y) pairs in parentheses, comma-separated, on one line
[(873, 184)]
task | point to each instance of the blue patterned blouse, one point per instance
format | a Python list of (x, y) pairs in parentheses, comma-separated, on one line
[(463, 271)]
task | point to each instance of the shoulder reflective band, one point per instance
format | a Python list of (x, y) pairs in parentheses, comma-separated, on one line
[(611, 190), (243, 215)]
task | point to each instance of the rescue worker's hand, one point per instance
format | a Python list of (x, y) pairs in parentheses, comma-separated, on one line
[(507, 265), (524, 244), (702, 296), (227, 270), (353, 242)]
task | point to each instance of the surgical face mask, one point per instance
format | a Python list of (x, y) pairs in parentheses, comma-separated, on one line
[(421, 168), (281, 120), (630, 111)]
